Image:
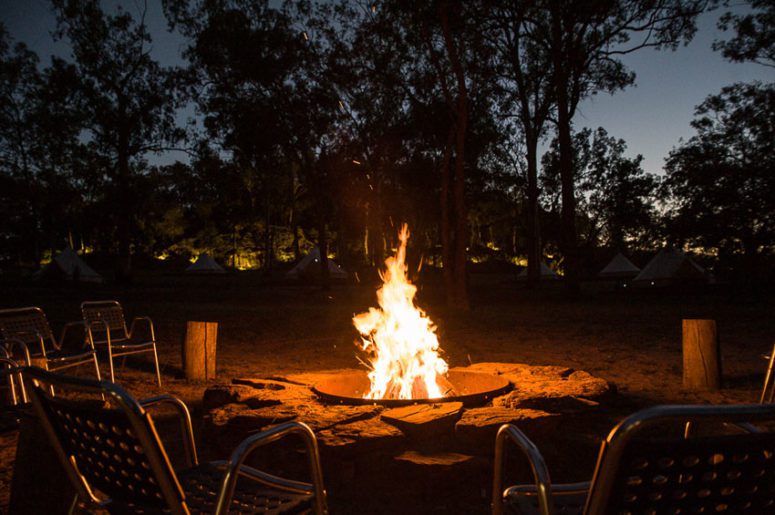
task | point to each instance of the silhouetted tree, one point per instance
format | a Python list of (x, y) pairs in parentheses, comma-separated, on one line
[(720, 182), (525, 73), (40, 152), (127, 101), (584, 41), (754, 38)]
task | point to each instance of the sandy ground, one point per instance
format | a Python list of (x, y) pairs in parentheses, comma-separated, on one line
[(632, 339)]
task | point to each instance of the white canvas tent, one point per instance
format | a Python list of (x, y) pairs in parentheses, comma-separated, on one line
[(619, 268), (205, 264), (69, 265), (309, 267), (547, 274), (670, 267)]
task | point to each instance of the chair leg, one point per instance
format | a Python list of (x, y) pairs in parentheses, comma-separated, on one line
[(96, 366), (768, 379), (12, 390), (73, 505), (156, 361), (110, 362)]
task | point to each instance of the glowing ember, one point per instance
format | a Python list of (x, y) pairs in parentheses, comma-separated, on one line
[(400, 339)]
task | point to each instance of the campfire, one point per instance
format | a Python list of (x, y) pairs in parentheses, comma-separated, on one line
[(400, 339), (402, 352)]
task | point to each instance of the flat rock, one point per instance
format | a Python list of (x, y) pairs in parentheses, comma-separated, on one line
[(219, 395), (359, 434), (546, 388), (268, 389), (425, 419), (313, 378), (553, 403), (477, 428), (444, 459)]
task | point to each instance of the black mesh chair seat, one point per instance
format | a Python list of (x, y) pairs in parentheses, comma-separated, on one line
[(652, 462), (108, 444), (201, 485)]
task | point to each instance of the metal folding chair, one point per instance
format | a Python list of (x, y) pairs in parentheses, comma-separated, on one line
[(645, 468), (26, 337), (106, 326), (116, 461)]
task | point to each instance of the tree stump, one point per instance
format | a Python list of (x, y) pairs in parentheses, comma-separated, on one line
[(199, 350), (701, 355)]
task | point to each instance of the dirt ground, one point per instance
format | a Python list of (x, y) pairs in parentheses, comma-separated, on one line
[(267, 327)]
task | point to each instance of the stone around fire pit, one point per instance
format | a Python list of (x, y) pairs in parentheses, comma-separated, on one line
[(548, 388), (361, 446), (425, 419)]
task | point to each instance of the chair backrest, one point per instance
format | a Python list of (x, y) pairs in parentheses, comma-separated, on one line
[(27, 325), (723, 473), (110, 445), (108, 312)]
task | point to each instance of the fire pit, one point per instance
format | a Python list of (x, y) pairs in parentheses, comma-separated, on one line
[(470, 388), (380, 455)]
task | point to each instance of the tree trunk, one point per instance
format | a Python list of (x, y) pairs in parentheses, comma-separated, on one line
[(199, 350), (325, 279), (533, 243), (459, 297), (568, 215), (447, 255), (701, 355), (124, 204)]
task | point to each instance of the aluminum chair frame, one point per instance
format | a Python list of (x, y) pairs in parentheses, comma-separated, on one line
[(28, 328), (107, 316), (612, 450), (160, 470), (769, 383)]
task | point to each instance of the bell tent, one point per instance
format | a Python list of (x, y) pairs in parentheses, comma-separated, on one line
[(205, 264), (309, 268), (69, 266), (547, 274), (670, 267), (619, 268)]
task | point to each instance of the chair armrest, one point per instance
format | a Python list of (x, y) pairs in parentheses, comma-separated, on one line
[(558, 489), (184, 416), (235, 465), (142, 319), (10, 342), (543, 483)]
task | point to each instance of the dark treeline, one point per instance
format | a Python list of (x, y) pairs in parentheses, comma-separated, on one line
[(329, 123)]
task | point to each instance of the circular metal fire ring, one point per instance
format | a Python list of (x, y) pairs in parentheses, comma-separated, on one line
[(470, 388)]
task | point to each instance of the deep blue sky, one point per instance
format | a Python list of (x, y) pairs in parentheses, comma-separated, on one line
[(651, 116)]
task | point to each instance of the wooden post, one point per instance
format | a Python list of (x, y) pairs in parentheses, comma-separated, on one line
[(701, 355), (199, 350)]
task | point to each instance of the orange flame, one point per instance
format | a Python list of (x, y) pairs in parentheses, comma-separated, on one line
[(400, 338)]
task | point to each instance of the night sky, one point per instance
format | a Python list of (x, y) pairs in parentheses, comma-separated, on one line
[(650, 117)]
